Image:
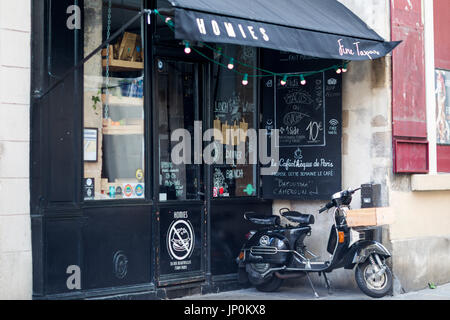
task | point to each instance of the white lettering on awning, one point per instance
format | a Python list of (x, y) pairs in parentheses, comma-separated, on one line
[(264, 34), (201, 26), (230, 29), (242, 31), (215, 27), (252, 32)]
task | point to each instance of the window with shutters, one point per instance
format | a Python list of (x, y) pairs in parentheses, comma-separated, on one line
[(409, 110)]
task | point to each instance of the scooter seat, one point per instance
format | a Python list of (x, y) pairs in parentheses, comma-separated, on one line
[(262, 219), (297, 217)]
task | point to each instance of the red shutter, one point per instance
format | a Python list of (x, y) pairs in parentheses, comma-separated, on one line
[(441, 34), (411, 156), (442, 61), (409, 112), (443, 159)]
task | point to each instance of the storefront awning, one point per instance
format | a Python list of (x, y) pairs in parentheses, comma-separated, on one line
[(318, 28)]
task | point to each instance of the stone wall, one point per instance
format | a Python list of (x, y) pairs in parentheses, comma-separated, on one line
[(366, 141), (15, 228)]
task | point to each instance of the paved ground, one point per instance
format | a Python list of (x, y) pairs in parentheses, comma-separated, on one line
[(305, 293)]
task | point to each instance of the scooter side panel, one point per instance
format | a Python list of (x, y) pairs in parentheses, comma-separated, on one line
[(273, 246)]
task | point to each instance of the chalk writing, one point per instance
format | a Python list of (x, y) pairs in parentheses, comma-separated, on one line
[(300, 112)]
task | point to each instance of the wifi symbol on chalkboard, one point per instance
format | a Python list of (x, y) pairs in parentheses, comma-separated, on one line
[(334, 122)]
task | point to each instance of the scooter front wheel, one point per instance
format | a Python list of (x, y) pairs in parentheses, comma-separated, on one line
[(371, 282)]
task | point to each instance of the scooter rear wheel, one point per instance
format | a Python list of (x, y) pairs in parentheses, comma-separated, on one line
[(270, 285)]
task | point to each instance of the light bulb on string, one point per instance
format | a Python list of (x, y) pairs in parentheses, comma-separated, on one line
[(231, 64), (345, 67), (245, 80), (169, 21), (302, 80), (338, 70), (284, 81), (187, 47)]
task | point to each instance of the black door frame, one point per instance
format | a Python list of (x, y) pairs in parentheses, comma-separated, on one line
[(202, 69)]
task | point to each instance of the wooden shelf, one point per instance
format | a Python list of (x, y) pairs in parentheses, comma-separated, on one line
[(124, 130), (133, 126), (123, 101), (120, 65)]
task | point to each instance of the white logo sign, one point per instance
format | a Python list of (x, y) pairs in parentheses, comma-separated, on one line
[(180, 240), (332, 81)]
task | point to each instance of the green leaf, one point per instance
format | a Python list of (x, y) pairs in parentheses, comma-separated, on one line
[(96, 99)]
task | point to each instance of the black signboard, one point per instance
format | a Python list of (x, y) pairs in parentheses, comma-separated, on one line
[(309, 119), (180, 242)]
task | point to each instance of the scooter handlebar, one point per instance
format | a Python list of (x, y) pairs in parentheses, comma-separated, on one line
[(327, 207), (357, 189)]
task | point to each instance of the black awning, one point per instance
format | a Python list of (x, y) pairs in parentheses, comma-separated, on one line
[(318, 28)]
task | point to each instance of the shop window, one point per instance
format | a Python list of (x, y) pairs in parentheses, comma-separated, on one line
[(235, 111), (114, 149)]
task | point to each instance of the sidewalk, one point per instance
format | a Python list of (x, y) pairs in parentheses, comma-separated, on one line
[(305, 293)]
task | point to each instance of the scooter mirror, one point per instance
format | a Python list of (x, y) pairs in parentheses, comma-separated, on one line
[(337, 195)]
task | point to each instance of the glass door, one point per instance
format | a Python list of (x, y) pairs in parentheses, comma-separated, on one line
[(178, 110), (180, 184)]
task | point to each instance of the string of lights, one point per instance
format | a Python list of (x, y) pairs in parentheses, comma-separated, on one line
[(232, 62)]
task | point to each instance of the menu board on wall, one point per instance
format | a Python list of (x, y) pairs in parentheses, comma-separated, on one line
[(309, 120)]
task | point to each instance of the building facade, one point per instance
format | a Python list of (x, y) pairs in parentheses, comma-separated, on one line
[(109, 213), (16, 270)]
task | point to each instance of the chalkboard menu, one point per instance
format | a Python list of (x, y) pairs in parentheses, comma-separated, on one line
[(309, 120)]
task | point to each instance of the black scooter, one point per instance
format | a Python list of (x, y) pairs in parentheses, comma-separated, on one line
[(276, 253)]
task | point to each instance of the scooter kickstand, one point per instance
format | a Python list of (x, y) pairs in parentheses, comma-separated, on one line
[(312, 286), (327, 283)]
